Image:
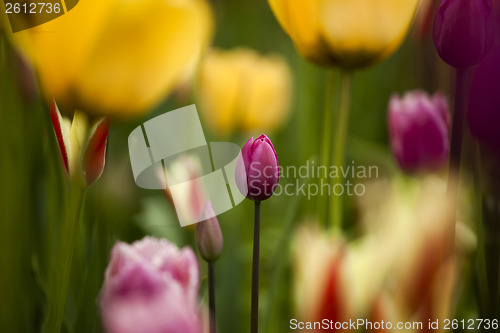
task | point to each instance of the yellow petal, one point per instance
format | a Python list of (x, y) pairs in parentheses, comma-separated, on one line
[(301, 21), (219, 88), (59, 47), (77, 139), (147, 47), (240, 89), (269, 94), (117, 57), (362, 32)]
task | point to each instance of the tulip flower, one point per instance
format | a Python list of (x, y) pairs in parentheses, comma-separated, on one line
[(150, 286), (82, 146), (257, 171), (419, 128), (258, 168), (319, 264), (208, 235), (411, 227), (348, 34), (242, 90), (464, 31), (114, 57), (398, 271)]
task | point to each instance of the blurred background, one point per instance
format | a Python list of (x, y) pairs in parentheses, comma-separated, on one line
[(33, 178)]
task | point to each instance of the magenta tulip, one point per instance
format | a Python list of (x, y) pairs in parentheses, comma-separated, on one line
[(151, 286), (419, 127), (464, 31), (257, 170)]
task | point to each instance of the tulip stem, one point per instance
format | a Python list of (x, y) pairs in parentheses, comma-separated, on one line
[(341, 131), (326, 144), (457, 132), (254, 317), (211, 297), (67, 235), (456, 139)]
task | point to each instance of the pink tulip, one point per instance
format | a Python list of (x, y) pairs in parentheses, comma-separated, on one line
[(260, 164), (151, 286), (419, 126)]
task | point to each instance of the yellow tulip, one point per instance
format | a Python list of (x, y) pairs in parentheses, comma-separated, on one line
[(242, 90), (117, 57), (345, 33)]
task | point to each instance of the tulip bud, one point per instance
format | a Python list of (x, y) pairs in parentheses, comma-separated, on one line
[(208, 235), (82, 148), (419, 127), (257, 170), (464, 31), (483, 114)]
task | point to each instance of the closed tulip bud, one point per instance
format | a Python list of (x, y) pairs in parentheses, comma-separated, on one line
[(464, 31), (483, 115), (208, 235), (257, 169), (349, 34), (117, 58), (82, 147), (419, 126)]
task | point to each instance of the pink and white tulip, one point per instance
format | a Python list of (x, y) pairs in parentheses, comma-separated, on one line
[(151, 286)]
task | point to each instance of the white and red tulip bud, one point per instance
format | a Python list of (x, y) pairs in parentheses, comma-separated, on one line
[(82, 146)]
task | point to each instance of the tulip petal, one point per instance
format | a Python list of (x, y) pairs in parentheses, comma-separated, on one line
[(263, 170), (464, 31), (95, 154), (117, 57), (222, 80), (269, 94), (61, 134), (361, 32)]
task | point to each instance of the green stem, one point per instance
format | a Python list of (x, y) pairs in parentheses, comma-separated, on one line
[(67, 236), (326, 144), (342, 125), (211, 297), (254, 315), (457, 133)]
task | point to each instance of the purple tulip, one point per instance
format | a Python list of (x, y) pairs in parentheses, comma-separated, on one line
[(483, 114), (208, 235), (257, 171), (419, 127), (464, 31), (151, 286)]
